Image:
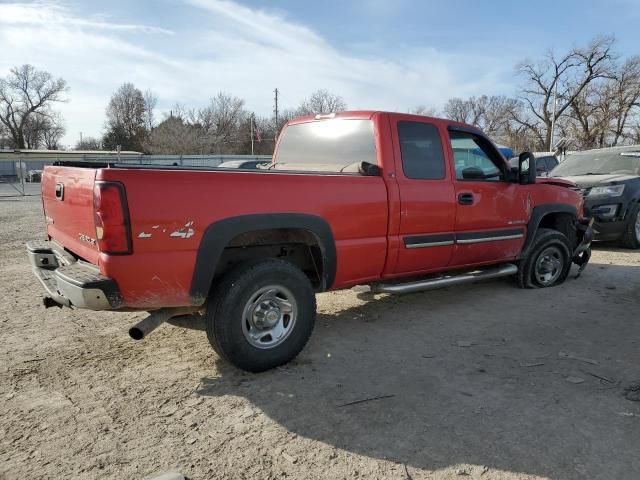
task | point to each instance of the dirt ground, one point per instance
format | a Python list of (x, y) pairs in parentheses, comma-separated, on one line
[(481, 382)]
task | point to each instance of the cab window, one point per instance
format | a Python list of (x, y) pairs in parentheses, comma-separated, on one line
[(474, 158)]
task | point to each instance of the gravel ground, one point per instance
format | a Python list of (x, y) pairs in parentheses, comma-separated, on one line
[(485, 381)]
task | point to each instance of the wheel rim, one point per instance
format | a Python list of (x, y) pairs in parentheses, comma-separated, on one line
[(549, 265), (638, 226), (269, 316)]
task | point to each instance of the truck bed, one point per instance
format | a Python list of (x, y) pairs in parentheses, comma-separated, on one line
[(170, 209)]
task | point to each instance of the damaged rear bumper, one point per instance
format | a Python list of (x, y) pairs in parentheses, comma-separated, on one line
[(69, 281)]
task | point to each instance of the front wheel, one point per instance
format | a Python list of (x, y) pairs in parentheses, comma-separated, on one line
[(631, 236), (548, 262), (261, 314)]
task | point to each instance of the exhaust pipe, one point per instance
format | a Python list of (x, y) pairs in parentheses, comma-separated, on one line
[(446, 281), (156, 318)]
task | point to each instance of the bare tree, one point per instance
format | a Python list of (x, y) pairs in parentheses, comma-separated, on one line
[(601, 114), (216, 128), (321, 101), (174, 136), (492, 114), (44, 131), (129, 114), (53, 133), (88, 143), (26, 98), (624, 91), (424, 110), (219, 122), (554, 83), (5, 139), (126, 109), (150, 102), (460, 110)]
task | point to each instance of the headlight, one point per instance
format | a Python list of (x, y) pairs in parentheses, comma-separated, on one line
[(607, 191)]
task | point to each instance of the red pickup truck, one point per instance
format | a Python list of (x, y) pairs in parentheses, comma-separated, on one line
[(400, 202)]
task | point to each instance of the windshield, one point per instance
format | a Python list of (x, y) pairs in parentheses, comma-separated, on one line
[(599, 163)]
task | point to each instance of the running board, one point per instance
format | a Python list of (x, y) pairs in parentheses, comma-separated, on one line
[(446, 280)]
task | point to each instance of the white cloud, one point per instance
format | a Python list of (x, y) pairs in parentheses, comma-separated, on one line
[(245, 51), (47, 14)]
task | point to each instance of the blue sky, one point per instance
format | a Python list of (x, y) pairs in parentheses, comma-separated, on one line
[(377, 54)]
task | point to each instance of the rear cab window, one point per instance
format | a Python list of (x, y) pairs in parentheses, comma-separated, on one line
[(421, 151), (332, 145)]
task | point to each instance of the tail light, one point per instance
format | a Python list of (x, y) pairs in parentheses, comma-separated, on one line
[(111, 215)]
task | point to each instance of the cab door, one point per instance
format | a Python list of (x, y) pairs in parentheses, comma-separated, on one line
[(427, 196), (491, 211)]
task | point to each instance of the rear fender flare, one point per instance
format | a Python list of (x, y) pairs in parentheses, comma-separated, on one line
[(218, 235)]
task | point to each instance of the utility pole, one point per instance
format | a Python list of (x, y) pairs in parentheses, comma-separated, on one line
[(275, 111), (81, 140), (553, 117), (251, 120)]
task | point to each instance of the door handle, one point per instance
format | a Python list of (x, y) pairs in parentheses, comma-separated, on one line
[(465, 199)]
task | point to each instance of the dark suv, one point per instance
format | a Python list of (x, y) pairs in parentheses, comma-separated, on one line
[(609, 180)]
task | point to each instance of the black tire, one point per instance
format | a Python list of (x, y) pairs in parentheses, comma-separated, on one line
[(235, 295), (631, 238), (550, 244)]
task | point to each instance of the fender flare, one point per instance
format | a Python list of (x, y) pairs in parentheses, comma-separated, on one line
[(538, 213), (219, 234)]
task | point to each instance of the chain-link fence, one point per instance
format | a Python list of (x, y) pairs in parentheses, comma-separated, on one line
[(20, 174)]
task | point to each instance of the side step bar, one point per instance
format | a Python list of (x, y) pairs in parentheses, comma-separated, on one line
[(446, 280)]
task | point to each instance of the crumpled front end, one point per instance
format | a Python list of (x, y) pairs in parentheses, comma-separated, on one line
[(584, 235)]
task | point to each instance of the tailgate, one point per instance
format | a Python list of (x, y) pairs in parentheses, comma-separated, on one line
[(67, 196)]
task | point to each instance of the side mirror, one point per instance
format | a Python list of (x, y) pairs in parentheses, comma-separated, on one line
[(526, 168), (369, 169), (473, 173)]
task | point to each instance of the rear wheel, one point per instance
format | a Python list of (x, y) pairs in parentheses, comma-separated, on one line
[(631, 236), (261, 314), (548, 262)]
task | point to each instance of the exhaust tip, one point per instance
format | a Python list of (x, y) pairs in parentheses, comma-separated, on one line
[(136, 333)]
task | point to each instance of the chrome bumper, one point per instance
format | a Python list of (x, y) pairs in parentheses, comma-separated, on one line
[(71, 282)]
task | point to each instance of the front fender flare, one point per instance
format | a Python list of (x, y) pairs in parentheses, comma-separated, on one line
[(537, 214)]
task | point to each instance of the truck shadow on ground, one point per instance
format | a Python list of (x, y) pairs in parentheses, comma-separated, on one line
[(474, 375)]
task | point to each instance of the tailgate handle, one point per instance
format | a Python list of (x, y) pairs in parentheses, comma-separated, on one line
[(59, 191)]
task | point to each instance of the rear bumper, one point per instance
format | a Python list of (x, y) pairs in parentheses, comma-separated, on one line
[(71, 282)]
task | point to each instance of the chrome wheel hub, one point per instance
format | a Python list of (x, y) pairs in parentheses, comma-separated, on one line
[(269, 316), (549, 266)]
